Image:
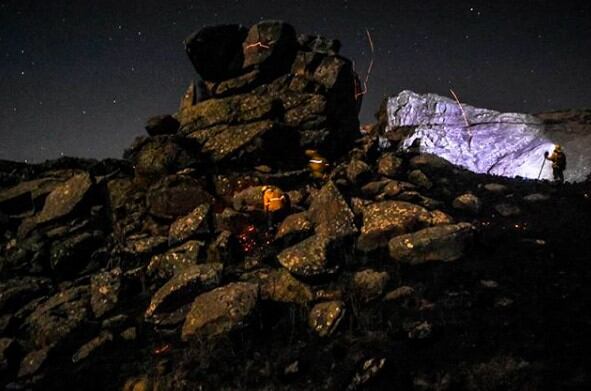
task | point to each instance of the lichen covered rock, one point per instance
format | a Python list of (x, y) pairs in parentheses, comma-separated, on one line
[(442, 243), (221, 310)]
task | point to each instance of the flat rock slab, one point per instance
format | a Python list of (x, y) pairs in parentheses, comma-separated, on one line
[(331, 214), (309, 257), (238, 109), (294, 226), (174, 260), (175, 196), (19, 198), (188, 226), (183, 287), (62, 201), (54, 320), (383, 220), (280, 286), (442, 243), (221, 310)]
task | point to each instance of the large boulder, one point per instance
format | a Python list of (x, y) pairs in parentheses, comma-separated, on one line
[(23, 197), (221, 310), (175, 259), (162, 124), (280, 286), (256, 139), (58, 318), (175, 196), (331, 214), (233, 110), (441, 243), (62, 201), (188, 226), (184, 286), (467, 202), (216, 51), (383, 220), (310, 257), (293, 227), (154, 157), (270, 45)]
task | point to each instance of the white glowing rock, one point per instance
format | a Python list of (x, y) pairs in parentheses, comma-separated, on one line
[(507, 144)]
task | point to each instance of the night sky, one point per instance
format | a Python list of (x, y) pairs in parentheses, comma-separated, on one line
[(80, 78)]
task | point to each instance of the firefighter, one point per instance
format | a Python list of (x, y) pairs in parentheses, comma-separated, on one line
[(275, 201), (558, 159), (317, 164)]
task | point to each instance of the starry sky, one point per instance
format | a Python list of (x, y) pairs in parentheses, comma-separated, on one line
[(79, 78)]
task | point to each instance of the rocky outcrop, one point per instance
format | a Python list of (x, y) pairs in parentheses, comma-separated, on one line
[(168, 266), (481, 140), (275, 89)]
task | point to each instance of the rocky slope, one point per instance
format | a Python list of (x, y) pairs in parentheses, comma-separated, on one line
[(379, 269)]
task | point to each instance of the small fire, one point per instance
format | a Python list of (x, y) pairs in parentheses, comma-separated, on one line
[(247, 239)]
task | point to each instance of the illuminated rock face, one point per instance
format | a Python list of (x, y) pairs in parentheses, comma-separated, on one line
[(483, 141)]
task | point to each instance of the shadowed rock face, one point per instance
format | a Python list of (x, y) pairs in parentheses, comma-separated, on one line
[(484, 141)]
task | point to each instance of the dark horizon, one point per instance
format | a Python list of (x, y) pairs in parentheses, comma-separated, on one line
[(81, 80)]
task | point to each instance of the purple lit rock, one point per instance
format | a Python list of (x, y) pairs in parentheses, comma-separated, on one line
[(506, 144)]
